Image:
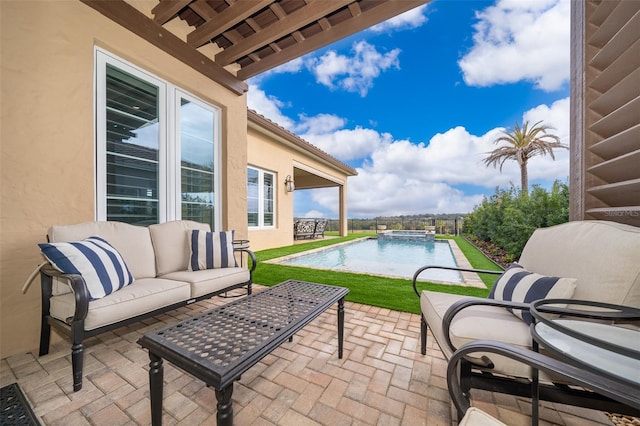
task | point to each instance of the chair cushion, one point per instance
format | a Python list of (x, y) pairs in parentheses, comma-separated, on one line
[(601, 255), (171, 244), (476, 323), (476, 417), (143, 296), (98, 262), (209, 280), (211, 250), (518, 285)]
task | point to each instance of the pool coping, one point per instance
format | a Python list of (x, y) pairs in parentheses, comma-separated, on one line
[(470, 279)]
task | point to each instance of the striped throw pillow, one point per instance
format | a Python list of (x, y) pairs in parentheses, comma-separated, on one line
[(518, 285), (98, 262), (211, 250)]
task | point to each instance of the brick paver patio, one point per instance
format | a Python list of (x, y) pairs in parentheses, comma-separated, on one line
[(381, 380)]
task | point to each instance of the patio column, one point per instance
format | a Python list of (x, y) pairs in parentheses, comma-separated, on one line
[(343, 211)]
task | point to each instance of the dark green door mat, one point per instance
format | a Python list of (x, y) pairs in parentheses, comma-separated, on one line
[(14, 408)]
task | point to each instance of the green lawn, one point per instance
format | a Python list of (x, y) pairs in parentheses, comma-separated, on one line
[(392, 293)]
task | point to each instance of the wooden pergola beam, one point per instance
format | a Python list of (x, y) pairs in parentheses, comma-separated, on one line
[(229, 17), (287, 25), (139, 24), (163, 12)]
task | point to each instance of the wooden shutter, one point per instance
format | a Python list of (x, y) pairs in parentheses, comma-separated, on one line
[(607, 128)]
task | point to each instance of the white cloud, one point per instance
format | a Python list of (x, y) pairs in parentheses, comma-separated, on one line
[(404, 177), (519, 40), (349, 144), (321, 123), (353, 73), (291, 67), (314, 214), (400, 177), (410, 19), (269, 106)]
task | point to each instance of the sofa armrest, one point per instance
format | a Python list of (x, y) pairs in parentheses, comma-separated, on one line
[(451, 268), (75, 282), (254, 261)]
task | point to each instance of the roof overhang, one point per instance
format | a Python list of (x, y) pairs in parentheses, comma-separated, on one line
[(230, 41), (264, 125)]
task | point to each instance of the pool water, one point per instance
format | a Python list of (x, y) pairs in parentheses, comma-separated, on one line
[(398, 258)]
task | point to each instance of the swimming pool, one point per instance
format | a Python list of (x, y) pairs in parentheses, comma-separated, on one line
[(394, 257)]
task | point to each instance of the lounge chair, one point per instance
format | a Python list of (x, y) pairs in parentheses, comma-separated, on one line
[(321, 224), (304, 228), (597, 260)]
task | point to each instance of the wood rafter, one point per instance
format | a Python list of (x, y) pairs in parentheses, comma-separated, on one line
[(291, 23), (165, 11), (232, 15), (136, 22)]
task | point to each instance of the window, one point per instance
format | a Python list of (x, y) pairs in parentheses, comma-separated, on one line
[(157, 149), (260, 198)]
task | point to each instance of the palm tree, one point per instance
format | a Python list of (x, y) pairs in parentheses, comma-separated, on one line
[(523, 144)]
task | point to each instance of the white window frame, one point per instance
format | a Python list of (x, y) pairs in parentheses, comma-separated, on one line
[(169, 180), (175, 168), (261, 173)]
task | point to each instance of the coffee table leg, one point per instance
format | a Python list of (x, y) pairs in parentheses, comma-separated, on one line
[(225, 409), (156, 372), (340, 326)]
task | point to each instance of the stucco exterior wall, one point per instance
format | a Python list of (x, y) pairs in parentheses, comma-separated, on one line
[(268, 152), (269, 155), (47, 138)]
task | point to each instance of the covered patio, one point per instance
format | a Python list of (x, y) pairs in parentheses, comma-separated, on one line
[(381, 380)]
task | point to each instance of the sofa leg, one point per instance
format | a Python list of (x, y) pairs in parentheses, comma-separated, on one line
[(423, 335), (77, 358), (45, 336), (46, 283), (77, 353)]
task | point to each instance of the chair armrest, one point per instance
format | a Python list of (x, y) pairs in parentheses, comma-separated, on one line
[(612, 312), (614, 389), (78, 287), (451, 268)]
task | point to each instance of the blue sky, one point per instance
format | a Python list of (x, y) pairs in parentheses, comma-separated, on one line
[(415, 103)]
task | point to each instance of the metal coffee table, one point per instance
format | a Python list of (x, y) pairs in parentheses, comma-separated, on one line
[(219, 345)]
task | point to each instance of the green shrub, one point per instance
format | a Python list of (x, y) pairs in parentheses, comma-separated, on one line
[(508, 217)]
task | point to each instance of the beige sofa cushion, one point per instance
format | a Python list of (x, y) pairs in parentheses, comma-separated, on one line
[(171, 244), (142, 296), (207, 280), (132, 242), (599, 254)]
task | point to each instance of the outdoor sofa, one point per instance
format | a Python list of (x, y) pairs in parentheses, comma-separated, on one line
[(124, 273), (580, 260)]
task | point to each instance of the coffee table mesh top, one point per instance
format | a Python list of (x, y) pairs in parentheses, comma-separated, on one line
[(212, 339)]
